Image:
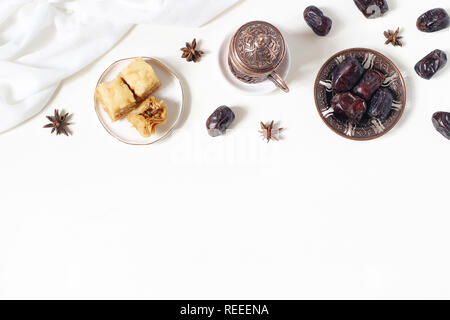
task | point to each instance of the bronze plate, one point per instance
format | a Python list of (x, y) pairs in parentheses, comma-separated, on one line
[(368, 128)]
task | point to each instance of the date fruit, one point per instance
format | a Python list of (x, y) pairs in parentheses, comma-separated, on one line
[(347, 75), (349, 105), (219, 121), (441, 121), (381, 104), (372, 8), (370, 82), (432, 63), (433, 20), (319, 23)]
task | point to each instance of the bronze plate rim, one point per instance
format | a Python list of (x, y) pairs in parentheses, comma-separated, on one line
[(367, 50)]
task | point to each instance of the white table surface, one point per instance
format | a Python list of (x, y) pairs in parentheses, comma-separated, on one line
[(313, 216)]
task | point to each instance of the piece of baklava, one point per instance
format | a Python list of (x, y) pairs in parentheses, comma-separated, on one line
[(141, 78), (148, 115), (116, 98)]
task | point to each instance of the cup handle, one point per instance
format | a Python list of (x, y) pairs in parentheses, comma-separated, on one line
[(279, 82)]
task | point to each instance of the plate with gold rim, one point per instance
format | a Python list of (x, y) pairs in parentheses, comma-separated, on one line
[(171, 91)]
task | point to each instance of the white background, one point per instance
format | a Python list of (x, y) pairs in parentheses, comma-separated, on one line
[(313, 216)]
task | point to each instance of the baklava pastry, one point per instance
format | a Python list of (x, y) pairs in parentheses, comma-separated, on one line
[(141, 78), (116, 98), (148, 115)]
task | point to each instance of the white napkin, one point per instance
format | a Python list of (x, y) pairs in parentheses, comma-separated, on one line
[(43, 42)]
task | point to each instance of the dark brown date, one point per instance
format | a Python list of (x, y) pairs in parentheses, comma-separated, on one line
[(219, 121), (372, 9), (381, 104), (370, 82), (349, 105), (441, 122), (347, 75), (319, 23), (432, 63), (433, 20)]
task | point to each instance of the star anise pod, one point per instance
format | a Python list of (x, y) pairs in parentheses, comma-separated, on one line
[(393, 37), (270, 132), (190, 53), (59, 123)]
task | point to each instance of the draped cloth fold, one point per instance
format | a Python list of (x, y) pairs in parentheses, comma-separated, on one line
[(38, 37)]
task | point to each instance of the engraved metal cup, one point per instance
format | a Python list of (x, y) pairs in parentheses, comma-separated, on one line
[(256, 50)]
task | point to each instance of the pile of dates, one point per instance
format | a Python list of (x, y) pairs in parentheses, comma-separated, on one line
[(357, 92)]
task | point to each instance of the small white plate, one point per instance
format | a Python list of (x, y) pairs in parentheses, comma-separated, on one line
[(260, 88), (171, 91)]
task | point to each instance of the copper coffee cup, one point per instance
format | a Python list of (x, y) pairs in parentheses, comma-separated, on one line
[(256, 50)]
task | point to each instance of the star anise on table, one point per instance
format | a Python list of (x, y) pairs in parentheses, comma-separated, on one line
[(270, 132), (393, 37), (59, 123), (190, 53)]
